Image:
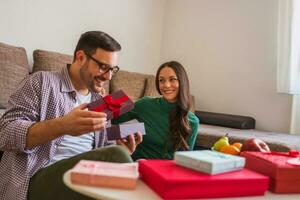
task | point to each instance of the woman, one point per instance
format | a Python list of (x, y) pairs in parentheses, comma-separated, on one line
[(169, 125)]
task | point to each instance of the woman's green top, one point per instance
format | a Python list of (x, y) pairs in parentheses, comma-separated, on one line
[(154, 112)]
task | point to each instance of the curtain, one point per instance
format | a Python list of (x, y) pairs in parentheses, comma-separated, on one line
[(295, 125), (288, 63)]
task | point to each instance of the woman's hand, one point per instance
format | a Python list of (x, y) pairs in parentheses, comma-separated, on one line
[(131, 141)]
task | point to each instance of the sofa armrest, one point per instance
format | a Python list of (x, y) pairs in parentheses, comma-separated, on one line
[(226, 120)]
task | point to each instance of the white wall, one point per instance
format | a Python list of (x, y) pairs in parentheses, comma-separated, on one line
[(229, 50), (57, 24), (227, 46)]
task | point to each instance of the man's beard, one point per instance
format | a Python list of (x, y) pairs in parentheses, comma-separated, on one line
[(92, 82)]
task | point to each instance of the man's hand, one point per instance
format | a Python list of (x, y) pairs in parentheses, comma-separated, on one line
[(131, 141), (76, 122), (80, 121)]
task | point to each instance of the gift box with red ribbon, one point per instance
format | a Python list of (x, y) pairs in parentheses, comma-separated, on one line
[(113, 105), (123, 130), (171, 181), (284, 177)]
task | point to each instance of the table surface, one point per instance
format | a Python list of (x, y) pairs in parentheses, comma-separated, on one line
[(142, 191)]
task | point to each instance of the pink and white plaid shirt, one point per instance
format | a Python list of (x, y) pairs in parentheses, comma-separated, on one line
[(39, 97)]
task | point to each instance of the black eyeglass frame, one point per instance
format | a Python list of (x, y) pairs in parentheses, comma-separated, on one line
[(100, 64)]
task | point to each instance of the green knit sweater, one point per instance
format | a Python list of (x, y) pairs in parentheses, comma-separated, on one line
[(154, 112)]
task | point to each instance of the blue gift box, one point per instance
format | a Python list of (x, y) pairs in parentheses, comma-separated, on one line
[(211, 162)]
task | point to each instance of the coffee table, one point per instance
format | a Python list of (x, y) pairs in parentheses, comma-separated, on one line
[(142, 191)]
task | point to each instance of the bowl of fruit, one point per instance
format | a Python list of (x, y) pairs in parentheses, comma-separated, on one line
[(253, 144)]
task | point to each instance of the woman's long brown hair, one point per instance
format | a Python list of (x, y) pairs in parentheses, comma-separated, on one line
[(179, 124)]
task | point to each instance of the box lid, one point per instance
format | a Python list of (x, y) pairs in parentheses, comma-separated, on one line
[(275, 166), (207, 161)]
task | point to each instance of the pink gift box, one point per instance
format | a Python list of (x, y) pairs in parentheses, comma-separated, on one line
[(171, 181), (284, 177), (105, 174)]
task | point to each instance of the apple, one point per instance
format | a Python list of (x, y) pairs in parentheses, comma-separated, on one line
[(223, 141), (255, 144)]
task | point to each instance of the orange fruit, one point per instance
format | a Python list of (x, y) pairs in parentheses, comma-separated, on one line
[(238, 145), (230, 149)]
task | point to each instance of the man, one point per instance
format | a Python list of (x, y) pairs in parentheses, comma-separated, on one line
[(47, 129)]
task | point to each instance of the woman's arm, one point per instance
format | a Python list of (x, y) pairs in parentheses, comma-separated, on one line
[(123, 118), (194, 123), (134, 113)]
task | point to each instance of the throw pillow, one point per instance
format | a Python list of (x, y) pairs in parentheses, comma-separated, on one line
[(49, 61), (13, 68), (53, 61), (13, 54), (10, 76), (132, 83), (150, 89)]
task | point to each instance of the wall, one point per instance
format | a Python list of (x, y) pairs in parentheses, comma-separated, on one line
[(57, 24), (228, 47), (229, 50)]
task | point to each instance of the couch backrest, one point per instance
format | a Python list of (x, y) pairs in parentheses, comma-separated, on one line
[(49, 60), (13, 68), (52, 61), (135, 85)]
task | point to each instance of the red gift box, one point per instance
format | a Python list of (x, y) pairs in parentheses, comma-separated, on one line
[(284, 177), (171, 181), (113, 105)]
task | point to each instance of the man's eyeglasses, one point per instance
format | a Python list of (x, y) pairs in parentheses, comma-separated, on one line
[(103, 66)]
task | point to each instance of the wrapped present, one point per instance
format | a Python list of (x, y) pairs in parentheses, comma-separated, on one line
[(123, 130), (171, 181), (211, 162), (113, 105), (105, 174), (284, 177)]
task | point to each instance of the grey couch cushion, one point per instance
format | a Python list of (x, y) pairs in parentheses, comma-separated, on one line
[(53, 61), (150, 88), (10, 76), (13, 54), (209, 134), (132, 83), (49, 61), (13, 68)]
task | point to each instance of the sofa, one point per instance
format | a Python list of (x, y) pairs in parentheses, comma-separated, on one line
[(14, 67)]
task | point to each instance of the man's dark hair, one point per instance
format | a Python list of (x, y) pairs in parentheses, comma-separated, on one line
[(91, 40)]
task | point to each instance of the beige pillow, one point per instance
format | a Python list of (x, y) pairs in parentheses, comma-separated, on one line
[(13, 68), (132, 83), (13, 54), (150, 89), (10, 76), (50, 61), (54, 61)]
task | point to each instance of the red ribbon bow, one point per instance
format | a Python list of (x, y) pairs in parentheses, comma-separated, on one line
[(112, 104), (290, 153)]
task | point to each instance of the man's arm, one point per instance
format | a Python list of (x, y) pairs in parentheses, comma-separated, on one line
[(77, 122)]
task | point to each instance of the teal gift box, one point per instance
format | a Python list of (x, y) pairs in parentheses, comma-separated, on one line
[(211, 162)]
